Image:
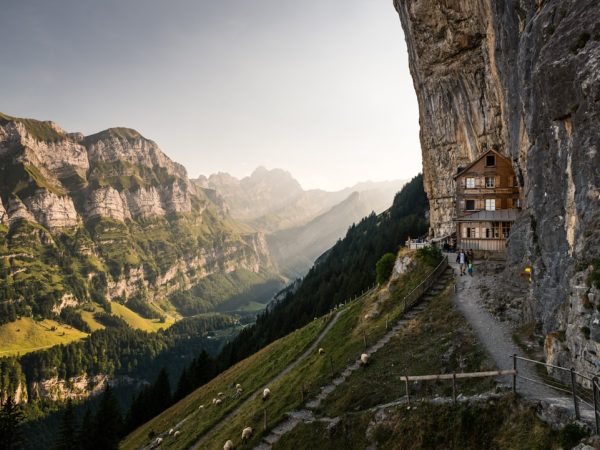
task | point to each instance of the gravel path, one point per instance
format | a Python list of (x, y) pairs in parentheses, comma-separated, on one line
[(496, 337)]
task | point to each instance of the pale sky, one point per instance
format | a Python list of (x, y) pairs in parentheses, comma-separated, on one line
[(317, 87)]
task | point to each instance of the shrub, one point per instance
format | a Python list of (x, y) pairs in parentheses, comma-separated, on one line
[(384, 267), (570, 435), (431, 255)]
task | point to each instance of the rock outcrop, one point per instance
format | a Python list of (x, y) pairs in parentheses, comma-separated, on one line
[(521, 77)]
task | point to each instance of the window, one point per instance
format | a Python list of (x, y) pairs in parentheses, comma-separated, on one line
[(490, 182), (470, 183), (490, 204), (470, 205), (490, 160), (506, 229), (472, 232)]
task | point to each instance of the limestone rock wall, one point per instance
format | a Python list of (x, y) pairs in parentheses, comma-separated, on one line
[(522, 77)]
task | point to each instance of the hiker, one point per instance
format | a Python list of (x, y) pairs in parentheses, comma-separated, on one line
[(461, 261)]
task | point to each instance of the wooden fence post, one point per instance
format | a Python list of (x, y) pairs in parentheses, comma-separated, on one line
[(595, 391), (454, 388), (331, 366), (265, 418), (407, 394), (575, 404), (514, 386)]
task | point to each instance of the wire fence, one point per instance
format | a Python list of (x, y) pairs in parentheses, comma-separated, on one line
[(582, 389)]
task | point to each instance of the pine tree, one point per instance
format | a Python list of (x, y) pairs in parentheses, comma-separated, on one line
[(161, 392), (108, 423), (86, 431), (11, 416), (68, 436)]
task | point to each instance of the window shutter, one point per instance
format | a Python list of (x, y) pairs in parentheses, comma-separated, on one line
[(464, 230), (498, 203), (497, 181), (476, 232)]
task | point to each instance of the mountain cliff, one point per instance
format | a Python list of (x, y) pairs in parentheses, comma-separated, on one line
[(107, 217), (521, 77)]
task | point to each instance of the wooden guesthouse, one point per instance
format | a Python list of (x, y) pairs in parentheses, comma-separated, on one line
[(487, 203)]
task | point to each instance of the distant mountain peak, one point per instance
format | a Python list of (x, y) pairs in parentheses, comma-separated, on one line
[(128, 134)]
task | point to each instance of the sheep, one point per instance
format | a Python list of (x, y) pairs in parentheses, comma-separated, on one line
[(238, 392), (247, 434), (228, 445), (364, 359), (157, 442), (266, 394), (221, 395), (176, 434), (321, 351), (171, 431), (201, 407), (238, 386), (218, 401)]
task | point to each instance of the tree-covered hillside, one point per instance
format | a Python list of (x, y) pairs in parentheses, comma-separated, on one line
[(346, 270)]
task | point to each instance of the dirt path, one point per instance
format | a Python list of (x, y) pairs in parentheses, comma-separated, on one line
[(281, 374), (496, 337)]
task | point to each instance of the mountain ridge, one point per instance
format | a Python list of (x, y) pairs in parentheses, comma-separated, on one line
[(127, 218)]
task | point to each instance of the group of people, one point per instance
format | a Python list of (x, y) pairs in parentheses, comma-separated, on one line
[(465, 261)]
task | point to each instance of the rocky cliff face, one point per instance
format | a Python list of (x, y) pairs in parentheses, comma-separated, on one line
[(522, 77), (107, 215)]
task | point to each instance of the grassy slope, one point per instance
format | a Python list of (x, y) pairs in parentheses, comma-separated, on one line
[(26, 335), (88, 317), (416, 350), (497, 424), (136, 321), (252, 373), (343, 344)]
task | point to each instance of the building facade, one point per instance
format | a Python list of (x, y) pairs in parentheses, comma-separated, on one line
[(487, 203)]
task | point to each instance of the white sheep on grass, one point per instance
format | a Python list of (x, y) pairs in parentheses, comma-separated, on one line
[(171, 431), (220, 395), (176, 434), (321, 351), (238, 386), (157, 442), (266, 394), (228, 445), (247, 433), (364, 359)]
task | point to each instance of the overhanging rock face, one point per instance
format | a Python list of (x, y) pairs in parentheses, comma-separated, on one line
[(521, 77)]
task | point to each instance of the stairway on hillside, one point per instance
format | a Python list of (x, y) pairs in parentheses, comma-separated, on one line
[(307, 414)]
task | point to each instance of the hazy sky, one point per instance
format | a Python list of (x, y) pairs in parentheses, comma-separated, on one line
[(318, 87)]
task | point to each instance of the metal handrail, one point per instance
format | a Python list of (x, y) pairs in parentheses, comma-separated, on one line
[(553, 366)]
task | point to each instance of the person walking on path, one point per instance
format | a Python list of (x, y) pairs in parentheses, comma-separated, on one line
[(462, 259)]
